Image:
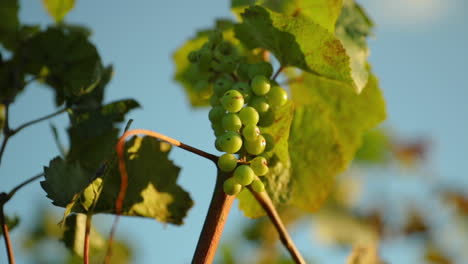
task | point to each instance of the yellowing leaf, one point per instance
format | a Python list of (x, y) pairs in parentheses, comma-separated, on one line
[(58, 9)]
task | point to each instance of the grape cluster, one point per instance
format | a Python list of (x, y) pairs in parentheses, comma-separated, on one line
[(243, 99)]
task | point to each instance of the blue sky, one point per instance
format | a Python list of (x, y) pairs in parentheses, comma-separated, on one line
[(419, 54)]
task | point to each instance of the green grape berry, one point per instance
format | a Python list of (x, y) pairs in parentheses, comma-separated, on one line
[(232, 101), (259, 165), (193, 57), (217, 129), (277, 96), (230, 142), (216, 114), (214, 100), (244, 89), (221, 85), (250, 132), (231, 187), (260, 85), (225, 48), (270, 142), (249, 116), (262, 68), (227, 64), (258, 186), (260, 104), (204, 59), (227, 162), (256, 146), (244, 175), (231, 122)]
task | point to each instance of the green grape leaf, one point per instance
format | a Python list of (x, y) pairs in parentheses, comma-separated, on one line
[(186, 73), (11, 223), (73, 238), (10, 86), (152, 190), (277, 181), (65, 60), (322, 12), (64, 180), (352, 28), (295, 41), (326, 131), (10, 23), (375, 148), (58, 9)]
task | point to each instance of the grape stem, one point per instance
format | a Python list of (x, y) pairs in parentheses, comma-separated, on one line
[(264, 200), (280, 69), (216, 218)]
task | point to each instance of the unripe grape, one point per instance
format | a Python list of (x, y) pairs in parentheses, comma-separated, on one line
[(193, 56), (217, 129), (227, 162), (249, 116), (232, 101), (214, 100), (216, 114), (270, 142), (250, 132), (221, 85), (260, 85), (256, 146), (267, 118), (203, 88), (244, 175), (231, 122), (260, 104), (204, 59), (258, 186), (261, 68), (231, 187), (227, 64), (244, 89), (277, 96), (225, 48), (230, 142), (259, 165), (243, 71), (216, 37)]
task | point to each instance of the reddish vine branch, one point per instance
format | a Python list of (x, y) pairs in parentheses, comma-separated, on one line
[(264, 200), (6, 235), (86, 239), (216, 218)]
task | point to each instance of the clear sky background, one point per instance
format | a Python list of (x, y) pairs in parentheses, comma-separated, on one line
[(419, 53)]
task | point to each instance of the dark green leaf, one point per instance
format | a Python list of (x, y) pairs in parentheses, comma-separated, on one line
[(327, 130), (57, 9), (152, 191), (9, 20), (64, 180), (68, 62), (11, 81), (11, 222), (295, 41)]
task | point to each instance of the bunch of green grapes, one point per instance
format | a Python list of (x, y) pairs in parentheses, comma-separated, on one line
[(243, 100)]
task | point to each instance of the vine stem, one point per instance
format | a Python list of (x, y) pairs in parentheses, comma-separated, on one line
[(8, 132), (215, 220), (6, 236), (264, 200), (86, 239), (280, 69)]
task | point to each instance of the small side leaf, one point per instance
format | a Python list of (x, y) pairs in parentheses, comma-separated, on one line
[(63, 181), (57, 9)]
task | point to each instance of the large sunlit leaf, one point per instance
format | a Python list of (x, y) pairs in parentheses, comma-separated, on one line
[(57, 9), (295, 41), (352, 28), (327, 130)]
